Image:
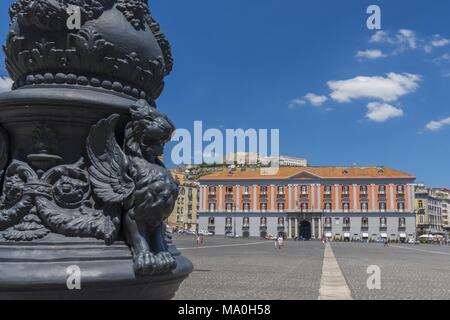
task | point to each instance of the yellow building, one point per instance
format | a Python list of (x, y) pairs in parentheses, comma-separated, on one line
[(185, 213)]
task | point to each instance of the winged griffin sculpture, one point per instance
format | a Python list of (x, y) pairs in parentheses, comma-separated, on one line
[(136, 178)]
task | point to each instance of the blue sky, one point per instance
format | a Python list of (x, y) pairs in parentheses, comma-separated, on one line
[(339, 93)]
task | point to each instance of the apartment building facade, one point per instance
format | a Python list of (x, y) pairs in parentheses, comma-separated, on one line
[(185, 213), (344, 203)]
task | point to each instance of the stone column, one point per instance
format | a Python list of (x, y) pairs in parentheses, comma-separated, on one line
[(296, 227), (355, 200), (313, 196), (289, 228), (320, 228)]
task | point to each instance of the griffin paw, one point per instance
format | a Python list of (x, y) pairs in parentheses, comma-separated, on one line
[(146, 263), (169, 262)]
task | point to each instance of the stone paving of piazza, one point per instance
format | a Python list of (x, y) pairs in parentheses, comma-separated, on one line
[(253, 269)]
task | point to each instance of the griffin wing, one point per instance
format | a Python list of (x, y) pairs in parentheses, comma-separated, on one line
[(110, 168)]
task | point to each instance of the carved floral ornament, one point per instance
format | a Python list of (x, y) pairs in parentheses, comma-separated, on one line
[(83, 57)]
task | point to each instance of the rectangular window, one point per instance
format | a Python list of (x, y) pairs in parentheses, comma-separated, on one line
[(363, 189), (246, 189), (212, 207), (229, 207), (211, 221), (280, 190), (229, 190), (281, 207), (400, 189), (420, 204), (304, 190), (327, 190), (246, 207), (382, 189), (264, 206), (263, 190), (382, 206), (345, 189), (212, 190), (328, 206)]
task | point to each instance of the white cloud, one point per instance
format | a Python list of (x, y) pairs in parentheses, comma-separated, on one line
[(295, 103), (380, 37), (315, 99), (388, 88), (403, 37), (5, 84), (437, 125), (381, 112), (407, 37), (371, 54), (437, 42)]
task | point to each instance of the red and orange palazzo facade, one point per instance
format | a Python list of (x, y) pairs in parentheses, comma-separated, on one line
[(341, 203)]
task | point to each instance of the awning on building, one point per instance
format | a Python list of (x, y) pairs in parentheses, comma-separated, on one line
[(384, 235), (328, 235), (347, 235), (403, 235), (365, 235)]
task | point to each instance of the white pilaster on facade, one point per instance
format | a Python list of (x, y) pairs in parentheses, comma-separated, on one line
[(272, 197), (372, 190), (296, 227), (238, 197), (413, 198), (255, 197), (319, 197), (295, 196), (391, 196), (313, 196), (290, 197), (336, 196), (220, 198), (355, 200)]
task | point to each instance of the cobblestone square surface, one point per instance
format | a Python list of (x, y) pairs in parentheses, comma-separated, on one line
[(253, 269)]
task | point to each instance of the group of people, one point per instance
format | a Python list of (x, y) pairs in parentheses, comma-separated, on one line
[(199, 239)]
